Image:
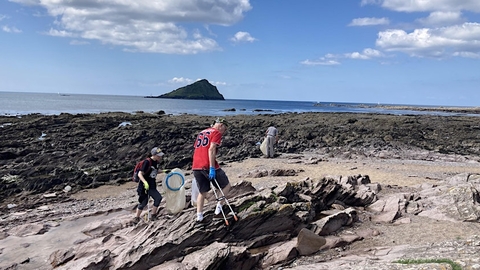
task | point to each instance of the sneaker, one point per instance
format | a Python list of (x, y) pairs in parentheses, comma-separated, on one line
[(199, 224), (218, 208), (153, 217), (136, 220), (199, 217)]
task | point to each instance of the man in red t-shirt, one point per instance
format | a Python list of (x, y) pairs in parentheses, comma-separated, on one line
[(205, 166)]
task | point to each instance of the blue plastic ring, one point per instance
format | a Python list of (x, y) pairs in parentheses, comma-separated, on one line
[(168, 177)]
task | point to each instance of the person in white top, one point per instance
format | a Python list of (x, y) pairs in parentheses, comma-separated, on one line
[(272, 138)]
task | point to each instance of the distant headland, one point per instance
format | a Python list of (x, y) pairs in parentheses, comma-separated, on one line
[(201, 89), (392, 107)]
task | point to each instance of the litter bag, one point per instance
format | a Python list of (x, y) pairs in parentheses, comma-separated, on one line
[(195, 192), (174, 188), (263, 146)]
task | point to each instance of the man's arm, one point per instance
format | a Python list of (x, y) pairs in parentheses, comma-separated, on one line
[(212, 152)]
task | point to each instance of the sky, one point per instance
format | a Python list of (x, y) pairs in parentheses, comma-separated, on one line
[(417, 52)]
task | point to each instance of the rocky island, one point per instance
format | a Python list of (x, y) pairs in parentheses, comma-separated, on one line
[(201, 89)]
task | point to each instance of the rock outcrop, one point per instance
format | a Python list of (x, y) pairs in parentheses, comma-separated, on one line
[(273, 226), (296, 225)]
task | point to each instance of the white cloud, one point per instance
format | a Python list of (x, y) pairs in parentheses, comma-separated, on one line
[(445, 31), (186, 81), (440, 18), (26, 2), (219, 83), (365, 55), (158, 26), (321, 61), (434, 42), (58, 33), (334, 59), (79, 42), (180, 80), (7, 28), (242, 37), (426, 5), (10, 29), (369, 21), (467, 55), (371, 2)]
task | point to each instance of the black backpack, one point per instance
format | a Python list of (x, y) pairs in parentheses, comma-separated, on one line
[(138, 167)]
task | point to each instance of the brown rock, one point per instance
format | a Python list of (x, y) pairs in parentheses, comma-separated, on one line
[(308, 242)]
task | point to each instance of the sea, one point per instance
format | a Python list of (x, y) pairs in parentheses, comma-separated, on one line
[(22, 103)]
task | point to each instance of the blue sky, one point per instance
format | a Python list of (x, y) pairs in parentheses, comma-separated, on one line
[(421, 52)]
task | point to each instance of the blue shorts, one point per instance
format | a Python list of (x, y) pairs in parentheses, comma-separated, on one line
[(203, 182)]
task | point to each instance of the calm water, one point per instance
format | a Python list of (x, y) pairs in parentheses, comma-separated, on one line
[(48, 103)]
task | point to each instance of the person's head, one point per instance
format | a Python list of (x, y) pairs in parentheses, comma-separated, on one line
[(221, 125), (157, 153)]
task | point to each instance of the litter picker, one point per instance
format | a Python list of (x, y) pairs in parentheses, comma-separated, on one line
[(219, 199)]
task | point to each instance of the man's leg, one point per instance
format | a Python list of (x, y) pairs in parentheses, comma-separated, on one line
[(203, 184), (200, 203), (269, 146), (222, 180), (225, 191)]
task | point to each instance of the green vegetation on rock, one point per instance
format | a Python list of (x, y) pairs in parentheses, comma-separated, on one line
[(455, 266)]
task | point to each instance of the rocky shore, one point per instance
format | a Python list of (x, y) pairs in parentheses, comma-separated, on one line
[(41, 155), (44, 153)]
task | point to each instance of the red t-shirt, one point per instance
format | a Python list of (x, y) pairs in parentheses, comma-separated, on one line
[(201, 146)]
